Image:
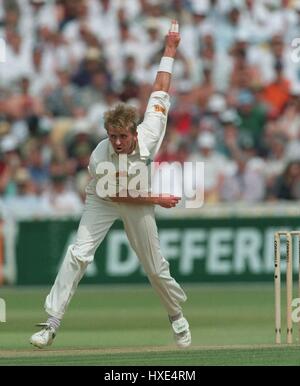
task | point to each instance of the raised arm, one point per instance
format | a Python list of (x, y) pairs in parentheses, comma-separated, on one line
[(163, 77)]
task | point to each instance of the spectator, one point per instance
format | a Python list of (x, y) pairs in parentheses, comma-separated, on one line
[(243, 75), (130, 82), (276, 94), (17, 58), (80, 145), (25, 203), (275, 161), (211, 62), (42, 76), (60, 200), (64, 97), (92, 63), (245, 184), (9, 164), (214, 167), (287, 186), (94, 93), (38, 170), (253, 116)]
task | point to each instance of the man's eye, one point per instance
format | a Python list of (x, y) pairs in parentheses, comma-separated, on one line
[(124, 136), (113, 137)]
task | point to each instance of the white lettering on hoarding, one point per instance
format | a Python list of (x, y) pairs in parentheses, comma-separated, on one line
[(191, 250), (247, 251), (116, 266), (220, 252), (215, 251)]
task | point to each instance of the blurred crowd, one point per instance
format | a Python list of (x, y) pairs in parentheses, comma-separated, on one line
[(235, 94)]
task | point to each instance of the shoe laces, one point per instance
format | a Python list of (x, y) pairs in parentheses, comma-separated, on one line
[(46, 327)]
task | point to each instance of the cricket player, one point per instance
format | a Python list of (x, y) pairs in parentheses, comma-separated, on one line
[(136, 144)]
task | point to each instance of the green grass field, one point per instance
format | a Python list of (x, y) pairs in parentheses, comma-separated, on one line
[(230, 324)]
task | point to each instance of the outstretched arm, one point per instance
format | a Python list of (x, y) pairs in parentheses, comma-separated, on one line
[(163, 77), (164, 200)]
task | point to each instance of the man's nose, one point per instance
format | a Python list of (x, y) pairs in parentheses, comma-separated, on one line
[(118, 142)]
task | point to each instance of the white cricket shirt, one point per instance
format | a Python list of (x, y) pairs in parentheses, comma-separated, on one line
[(150, 136)]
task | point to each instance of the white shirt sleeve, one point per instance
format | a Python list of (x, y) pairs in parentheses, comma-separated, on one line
[(92, 167), (152, 130), (98, 155)]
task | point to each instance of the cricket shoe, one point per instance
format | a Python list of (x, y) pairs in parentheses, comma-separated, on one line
[(182, 333), (44, 337)]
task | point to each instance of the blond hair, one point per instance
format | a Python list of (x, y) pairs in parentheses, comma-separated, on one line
[(123, 117)]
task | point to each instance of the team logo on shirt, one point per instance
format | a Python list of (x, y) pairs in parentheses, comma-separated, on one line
[(159, 109)]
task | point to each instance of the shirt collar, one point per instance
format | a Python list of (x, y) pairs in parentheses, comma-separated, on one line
[(110, 149)]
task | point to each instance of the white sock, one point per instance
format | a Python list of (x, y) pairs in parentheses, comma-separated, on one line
[(175, 317), (54, 322)]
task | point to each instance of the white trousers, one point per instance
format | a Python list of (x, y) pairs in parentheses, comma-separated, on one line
[(141, 230)]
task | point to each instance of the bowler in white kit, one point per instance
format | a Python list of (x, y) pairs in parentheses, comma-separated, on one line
[(136, 144)]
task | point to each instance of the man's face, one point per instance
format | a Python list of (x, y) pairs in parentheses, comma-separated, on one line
[(122, 140)]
